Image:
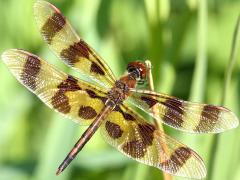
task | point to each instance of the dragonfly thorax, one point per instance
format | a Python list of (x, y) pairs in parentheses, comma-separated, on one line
[(120, 91)]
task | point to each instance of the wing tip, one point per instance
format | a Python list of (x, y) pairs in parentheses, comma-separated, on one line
[(7, 53), (12, 53), (230, 119), (42, 10), (235, 121), (200, 172), (37, 5), (41, 4)]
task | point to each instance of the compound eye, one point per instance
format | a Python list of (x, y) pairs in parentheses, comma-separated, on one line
[(134, 71)]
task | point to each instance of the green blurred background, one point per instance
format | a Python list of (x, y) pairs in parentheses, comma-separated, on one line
[(189, 45)]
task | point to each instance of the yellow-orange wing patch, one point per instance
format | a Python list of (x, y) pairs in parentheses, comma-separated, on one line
[(184, 115), (64, 93), (64, 41), (136, 138)]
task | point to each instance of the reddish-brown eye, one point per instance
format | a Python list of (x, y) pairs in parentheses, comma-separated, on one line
[(138, 69)]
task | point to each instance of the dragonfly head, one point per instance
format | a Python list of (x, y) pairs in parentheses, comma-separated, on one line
[(138, 70)]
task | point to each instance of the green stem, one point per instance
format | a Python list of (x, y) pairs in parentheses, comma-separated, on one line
[(199, 76), (228, 75), (232, 60)]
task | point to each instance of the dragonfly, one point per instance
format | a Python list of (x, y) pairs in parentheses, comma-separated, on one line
[(109, 104)]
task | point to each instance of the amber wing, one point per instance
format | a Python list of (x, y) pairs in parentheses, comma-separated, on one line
[(66, 44), (64, 93), (184, 115), (134, 137)]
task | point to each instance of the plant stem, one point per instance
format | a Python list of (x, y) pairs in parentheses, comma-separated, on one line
[(228, 75), (199, 76), (232, 60), (155, 111)]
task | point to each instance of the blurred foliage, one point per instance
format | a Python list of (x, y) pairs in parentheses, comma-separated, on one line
[(188, 43)]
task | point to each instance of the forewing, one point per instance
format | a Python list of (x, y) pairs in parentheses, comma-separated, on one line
[(66, 44), (136, 138), (71, 97), (184, 115)]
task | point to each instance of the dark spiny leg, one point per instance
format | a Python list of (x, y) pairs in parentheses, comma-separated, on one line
[(83, 139)]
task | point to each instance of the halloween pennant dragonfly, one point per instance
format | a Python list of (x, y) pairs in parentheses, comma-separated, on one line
[(107, 104)]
